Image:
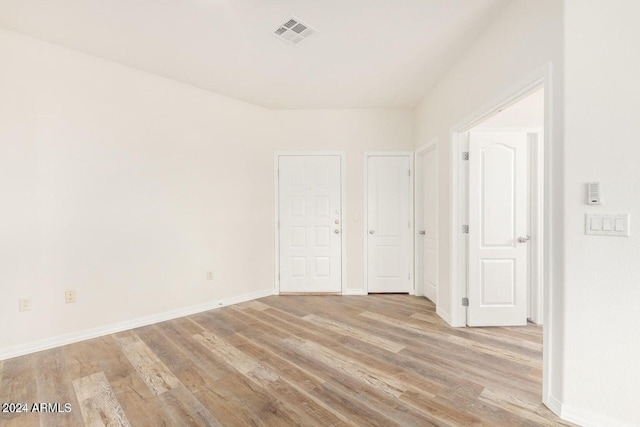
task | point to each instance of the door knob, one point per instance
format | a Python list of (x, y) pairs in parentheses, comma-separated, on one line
[(336, 231), (422, 232), (371, 231), (524, 239)]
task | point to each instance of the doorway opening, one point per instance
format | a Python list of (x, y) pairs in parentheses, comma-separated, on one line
[(538, 82)]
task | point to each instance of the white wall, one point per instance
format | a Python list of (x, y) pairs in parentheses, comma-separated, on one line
[(526, 36), (602, 274), (526, 113), (128, 187)]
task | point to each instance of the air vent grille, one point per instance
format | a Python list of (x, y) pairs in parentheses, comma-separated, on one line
[(293, 31)]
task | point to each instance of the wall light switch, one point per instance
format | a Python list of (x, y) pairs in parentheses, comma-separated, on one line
[(607, 224)]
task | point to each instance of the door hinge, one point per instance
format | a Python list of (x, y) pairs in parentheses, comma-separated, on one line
[(409, 172), (465, 302), (465, 229), (465, 155)]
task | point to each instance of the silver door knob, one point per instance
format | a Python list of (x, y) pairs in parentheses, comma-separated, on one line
[(524, 239), (336, 231), (371, 231), (337, 221), (422, 232)]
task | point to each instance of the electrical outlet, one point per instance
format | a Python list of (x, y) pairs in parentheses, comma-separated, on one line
[(24, 304), (70, 296), (209, 275)]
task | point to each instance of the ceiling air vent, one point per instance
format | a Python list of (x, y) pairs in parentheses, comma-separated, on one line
[(293, 31)]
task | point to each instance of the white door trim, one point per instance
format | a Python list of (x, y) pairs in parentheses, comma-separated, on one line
[(365, 230), (276, 233), (540, 78), (418, 255)]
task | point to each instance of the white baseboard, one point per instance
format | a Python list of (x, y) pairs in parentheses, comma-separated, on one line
[(588, 419), (444, 315), (580, 416), (554, 405), (86, 334), (354, 292)]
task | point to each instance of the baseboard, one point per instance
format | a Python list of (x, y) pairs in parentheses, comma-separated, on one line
[(580, 416), (554, 405), (354, 292), (588, 419), (71, 338), (444, 315)]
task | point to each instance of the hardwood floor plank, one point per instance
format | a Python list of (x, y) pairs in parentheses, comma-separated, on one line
[(234, 357), (153, 372), (54, 386), (19, 387), (185, 409), (347, 330), (98, 402)]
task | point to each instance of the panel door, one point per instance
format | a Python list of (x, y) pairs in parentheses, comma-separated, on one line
[(310, 229), (498, 228), (389, 242), (428, 222)]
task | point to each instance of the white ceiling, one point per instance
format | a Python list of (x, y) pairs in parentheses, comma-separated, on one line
[(366, 54)]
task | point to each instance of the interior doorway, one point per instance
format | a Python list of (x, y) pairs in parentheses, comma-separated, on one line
[(427, 224), (540, 82), (504, 166)]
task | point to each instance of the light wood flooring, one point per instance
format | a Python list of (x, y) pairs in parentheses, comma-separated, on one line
[(377, 360)]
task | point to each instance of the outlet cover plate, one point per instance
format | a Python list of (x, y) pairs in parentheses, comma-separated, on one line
[(24, 304), (70, 296)]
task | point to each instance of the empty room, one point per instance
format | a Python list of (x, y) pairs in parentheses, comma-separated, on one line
[(292, 212)]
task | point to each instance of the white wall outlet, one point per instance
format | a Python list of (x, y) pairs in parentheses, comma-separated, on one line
[(24, 304), (70, 296), (210, 275)]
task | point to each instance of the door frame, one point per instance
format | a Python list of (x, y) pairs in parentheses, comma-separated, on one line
[(541, 78), (418, 193), (365, 219), (276, 227)]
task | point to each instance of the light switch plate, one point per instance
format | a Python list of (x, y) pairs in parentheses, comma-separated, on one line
[(607, 224)]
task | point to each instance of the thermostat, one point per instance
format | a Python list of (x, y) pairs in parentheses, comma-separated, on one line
[(593, 193)]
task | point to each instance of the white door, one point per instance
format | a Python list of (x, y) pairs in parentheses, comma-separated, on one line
[(389, 244), (310, 228), (428, 222), (498, 228)]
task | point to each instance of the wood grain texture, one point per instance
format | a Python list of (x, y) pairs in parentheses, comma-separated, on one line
[(377, 360), (151, 369), (98, 402)]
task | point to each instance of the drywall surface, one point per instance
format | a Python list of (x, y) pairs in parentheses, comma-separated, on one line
[(602, 274), (129, 187), (525, 37)]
